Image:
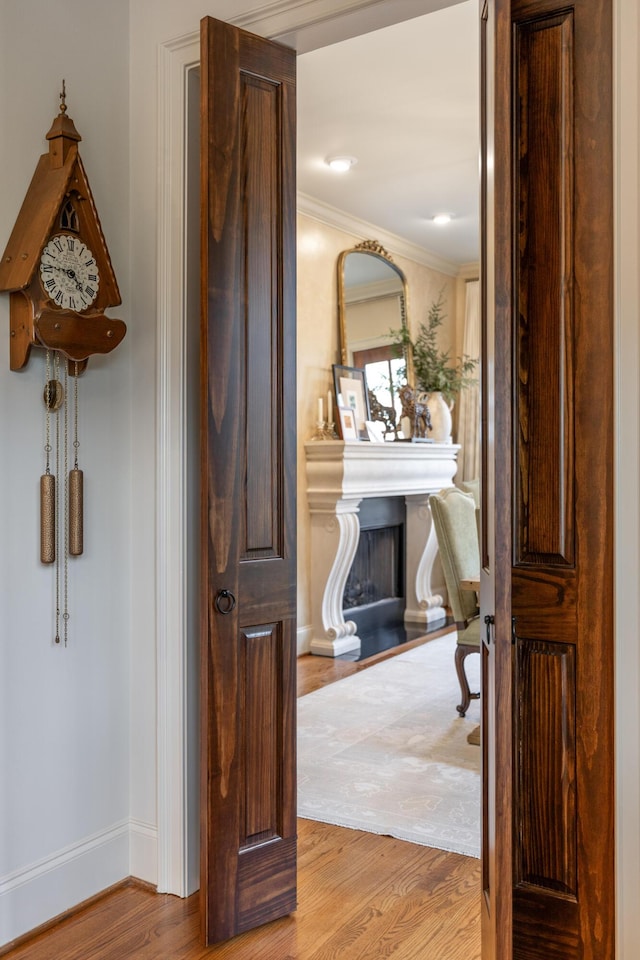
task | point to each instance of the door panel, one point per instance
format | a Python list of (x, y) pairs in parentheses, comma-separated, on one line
[(549, 254), (248, 647), (543, 68), (546, 790)]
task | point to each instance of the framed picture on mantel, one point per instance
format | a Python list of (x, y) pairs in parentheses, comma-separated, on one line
[(350, 384), (348, 429)]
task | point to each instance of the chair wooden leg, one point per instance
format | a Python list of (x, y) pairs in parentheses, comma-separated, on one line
[(462, 652)]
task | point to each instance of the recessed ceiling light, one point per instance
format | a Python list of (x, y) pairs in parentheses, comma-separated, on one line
[(442, 218), (341, 164)]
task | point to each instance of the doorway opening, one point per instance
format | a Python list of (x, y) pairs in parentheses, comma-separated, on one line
[(193, 292), (188, 759), (335, 213)]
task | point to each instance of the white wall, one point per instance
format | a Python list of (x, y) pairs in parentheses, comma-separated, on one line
[(64, 713)]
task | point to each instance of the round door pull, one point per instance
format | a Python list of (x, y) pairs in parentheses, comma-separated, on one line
[(225, 602)]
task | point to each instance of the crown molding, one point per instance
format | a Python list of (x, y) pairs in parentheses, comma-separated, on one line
[(469, 271), (308, 24), (297, 13), (332, 217)]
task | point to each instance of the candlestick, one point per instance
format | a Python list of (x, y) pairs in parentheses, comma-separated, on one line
[(320, 412), (329, 431), (330, 406)]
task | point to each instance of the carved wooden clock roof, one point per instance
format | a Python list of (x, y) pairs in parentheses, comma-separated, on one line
[(59, 200)]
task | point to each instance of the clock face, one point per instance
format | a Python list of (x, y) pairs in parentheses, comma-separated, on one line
[(69, 273)]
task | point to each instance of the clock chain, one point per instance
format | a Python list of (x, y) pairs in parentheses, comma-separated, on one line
[(56, 365), (65, 499), (61, 505), (76, 482), (47, 481)]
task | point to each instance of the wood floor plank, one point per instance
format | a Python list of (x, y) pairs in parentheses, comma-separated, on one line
[(400, 914), (361, 897), (315, 672)]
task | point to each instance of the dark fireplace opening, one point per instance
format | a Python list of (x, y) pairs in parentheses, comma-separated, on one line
[(377, 572), (374, 594)]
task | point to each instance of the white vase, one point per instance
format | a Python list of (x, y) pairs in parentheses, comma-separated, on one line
[(440, 413)]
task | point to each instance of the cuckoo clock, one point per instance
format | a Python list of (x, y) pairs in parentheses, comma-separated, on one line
[(58, 273), (56, 266)]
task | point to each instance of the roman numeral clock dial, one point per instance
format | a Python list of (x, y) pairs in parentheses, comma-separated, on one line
[(69, 273)]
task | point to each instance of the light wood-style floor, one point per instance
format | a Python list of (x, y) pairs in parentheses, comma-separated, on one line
[(361, 897)]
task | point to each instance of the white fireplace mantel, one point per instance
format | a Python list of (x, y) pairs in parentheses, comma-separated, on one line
[(339, 476)]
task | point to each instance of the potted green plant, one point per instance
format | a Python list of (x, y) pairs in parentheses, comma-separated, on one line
[(434, 375)]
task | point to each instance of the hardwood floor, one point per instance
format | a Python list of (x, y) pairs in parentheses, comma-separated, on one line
[(314, 672), (361, 897)]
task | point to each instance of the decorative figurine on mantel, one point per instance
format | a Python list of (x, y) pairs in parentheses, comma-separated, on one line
[(386, 416), (417, 413)]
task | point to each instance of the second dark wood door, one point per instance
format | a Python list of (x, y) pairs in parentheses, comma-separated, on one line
[(248, 455), (549, 699)]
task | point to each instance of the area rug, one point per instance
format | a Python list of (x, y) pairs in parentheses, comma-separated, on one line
[(385, 751)]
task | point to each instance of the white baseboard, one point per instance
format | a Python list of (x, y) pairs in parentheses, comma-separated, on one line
[(32, 895), (143, 851), (304, 636)]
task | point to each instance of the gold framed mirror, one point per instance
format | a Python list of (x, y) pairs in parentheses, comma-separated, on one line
[(373, 301)]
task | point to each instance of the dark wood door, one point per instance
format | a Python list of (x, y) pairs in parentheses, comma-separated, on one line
[(549, 287), (495, 596), (248, 455)]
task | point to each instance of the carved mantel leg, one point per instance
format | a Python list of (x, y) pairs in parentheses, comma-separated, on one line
[(426, 593), (335, 531)]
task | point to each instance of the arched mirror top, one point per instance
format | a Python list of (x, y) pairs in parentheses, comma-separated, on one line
[(372, 299)]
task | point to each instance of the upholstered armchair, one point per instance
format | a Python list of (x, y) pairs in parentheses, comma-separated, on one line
[(472, 487), (454, 519)]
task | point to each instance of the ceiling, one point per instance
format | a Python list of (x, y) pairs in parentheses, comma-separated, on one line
[(404, 100)]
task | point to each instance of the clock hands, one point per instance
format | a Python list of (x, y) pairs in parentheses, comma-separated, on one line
[(72, 272), (72, 276)]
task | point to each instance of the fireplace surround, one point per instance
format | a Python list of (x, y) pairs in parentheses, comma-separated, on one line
[(340, 475)]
